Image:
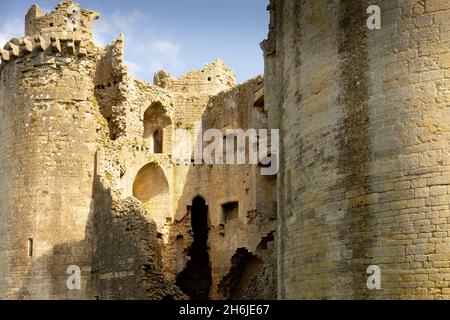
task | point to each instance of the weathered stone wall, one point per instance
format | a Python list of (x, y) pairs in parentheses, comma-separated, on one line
[(68, 19), (364, 161), (222, 184), (214, 78), (127, 260), (48, 128)]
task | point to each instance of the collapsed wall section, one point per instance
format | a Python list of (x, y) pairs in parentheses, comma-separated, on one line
[(212, 79)]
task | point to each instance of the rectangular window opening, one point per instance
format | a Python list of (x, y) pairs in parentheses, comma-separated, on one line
[(230, 211)]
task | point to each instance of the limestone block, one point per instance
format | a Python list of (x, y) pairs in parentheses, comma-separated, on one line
[(437, 5), (444, 60), (13, 49), (422, 192), (56, 44), (39, 43), (438, 190), (439, 180), (4, 55), (82, 52), (416, 203), (418, 249), (437, 200), (27, 45), (402, 185)]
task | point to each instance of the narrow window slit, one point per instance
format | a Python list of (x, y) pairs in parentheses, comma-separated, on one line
[(30, 247)]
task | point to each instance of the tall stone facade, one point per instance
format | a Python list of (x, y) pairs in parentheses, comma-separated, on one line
[(364, 174), (89, 176)]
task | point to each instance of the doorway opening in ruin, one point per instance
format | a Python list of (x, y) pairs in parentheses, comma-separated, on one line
[(195, 280), (158, 141)]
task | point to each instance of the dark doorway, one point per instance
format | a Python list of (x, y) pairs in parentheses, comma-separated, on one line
[(195, 280), (158, 141)]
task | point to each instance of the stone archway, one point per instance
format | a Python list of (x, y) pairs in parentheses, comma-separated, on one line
[(152, 189)]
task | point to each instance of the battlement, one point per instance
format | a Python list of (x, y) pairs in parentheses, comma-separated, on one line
[(18, 48), (67, 18), (67, 31)]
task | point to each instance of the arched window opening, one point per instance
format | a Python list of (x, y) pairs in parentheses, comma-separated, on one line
[(157, 128)]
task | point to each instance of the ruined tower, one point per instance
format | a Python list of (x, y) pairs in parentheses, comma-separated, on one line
[(48, 124), (364, 174)]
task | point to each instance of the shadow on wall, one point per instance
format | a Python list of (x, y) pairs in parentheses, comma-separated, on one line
[(120, 257), (152, 189), (240, 217), (251, 277), (195, 279)]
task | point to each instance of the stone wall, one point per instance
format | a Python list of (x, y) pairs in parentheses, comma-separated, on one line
[(49, 131), (214, 78), (219, 185), (364, 162), (127, 254), (67, 19)]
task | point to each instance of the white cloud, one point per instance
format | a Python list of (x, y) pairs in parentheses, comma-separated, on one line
[(109, 27), (133, 67), (165, 54), (101, 32), (145, 51), (13, 28), (129, 22), (166, 48)]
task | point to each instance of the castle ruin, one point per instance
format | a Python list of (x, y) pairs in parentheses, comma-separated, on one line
[(89, 176)]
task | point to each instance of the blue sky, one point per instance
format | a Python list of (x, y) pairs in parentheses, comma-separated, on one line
[(174, 35)]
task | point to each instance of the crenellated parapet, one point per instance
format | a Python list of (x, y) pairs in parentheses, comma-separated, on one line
[(62, 33), (29, 47)]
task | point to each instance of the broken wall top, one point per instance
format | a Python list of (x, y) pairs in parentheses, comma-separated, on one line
[(68, 19), (65, 31), (215, 77)]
